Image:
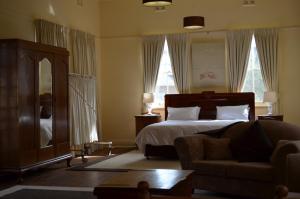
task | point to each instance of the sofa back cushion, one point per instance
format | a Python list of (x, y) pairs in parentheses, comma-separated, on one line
[(217, 149), (275, 130), (253, 145)]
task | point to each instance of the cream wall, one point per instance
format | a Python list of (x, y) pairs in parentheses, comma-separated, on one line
[(123, 23), (289, 62), (122, 87)]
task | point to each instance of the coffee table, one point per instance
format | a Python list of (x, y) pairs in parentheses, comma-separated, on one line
[(161, 182)]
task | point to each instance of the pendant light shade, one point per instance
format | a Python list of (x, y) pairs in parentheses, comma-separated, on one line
[(157, 3), (193, 22)]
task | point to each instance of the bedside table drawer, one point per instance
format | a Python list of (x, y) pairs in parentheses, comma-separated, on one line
[(144, 120)]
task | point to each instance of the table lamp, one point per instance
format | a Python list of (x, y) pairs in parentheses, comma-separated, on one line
[(270, 97), (148, 99)]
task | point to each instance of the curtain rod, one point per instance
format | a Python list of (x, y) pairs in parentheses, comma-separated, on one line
[(84, 76), (198, 32)]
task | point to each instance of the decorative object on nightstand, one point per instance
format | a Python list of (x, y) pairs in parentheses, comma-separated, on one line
[(270, 117), (144, 120), (270, 97), (148, 99)]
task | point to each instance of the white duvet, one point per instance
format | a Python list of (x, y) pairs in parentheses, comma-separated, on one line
[(164, 133), (45, 131)]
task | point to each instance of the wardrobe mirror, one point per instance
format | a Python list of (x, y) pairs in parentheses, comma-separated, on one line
[(46, 107)]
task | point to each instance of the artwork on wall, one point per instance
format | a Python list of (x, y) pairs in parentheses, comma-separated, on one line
[(208, 64)]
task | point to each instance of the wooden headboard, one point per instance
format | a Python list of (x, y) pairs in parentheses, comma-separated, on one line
[(208, 101), (46, 104)]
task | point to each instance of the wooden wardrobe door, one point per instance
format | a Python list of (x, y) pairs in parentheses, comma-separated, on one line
[(61, 113), (26, 103)]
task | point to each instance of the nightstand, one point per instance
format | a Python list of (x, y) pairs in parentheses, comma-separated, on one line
[(270, 117), (144, 120)]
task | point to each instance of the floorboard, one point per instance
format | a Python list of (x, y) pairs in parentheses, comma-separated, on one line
[(59, 175)]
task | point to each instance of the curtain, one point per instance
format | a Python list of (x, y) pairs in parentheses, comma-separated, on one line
[(83, 53), (267, 48), (50, 33), (83, 120), (82, 88), (152, 51), (238, 49), (178, 49)]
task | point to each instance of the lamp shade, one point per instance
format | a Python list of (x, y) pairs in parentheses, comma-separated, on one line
[(270, 96), (157, 3), (148, 98), (193, 22)]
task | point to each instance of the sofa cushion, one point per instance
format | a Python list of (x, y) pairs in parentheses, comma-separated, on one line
[(252, 146), (217, 149), (251, 171), (212, 167)]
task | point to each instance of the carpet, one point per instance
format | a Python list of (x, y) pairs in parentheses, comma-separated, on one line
[(47, 192), (133, 160)]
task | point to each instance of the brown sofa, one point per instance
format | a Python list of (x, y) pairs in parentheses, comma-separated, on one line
[(248, 179)]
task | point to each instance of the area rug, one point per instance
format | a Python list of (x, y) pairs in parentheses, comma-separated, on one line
[(47, 192), (51, 192), (133, 160)]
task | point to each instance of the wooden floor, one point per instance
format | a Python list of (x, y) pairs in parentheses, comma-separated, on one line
[(59, 175)]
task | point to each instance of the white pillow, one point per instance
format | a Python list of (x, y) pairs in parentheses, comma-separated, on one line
[(183, 113), (233, 112)]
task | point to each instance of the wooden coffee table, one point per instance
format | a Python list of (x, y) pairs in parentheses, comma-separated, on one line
[(161, 182)]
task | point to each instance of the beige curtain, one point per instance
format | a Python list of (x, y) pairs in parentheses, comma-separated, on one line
[(50, 33), (267, 48), (152, 51), (238, 49), (83, 119), (82, 53), (178, 49)]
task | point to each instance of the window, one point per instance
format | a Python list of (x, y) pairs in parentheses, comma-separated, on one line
[(253, 80), (165, 81)]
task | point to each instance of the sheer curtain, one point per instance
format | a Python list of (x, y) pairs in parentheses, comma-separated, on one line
[(267, 48), (82, 88), (178, 49), (152, 51), (238, 49)]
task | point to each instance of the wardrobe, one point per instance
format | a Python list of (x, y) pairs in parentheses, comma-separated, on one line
[(34, 121)]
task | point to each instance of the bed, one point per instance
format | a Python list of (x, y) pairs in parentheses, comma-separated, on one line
[(157, 139), (46, 123)]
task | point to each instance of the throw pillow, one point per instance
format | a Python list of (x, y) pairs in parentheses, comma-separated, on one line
[(217, 149), (252, 146)]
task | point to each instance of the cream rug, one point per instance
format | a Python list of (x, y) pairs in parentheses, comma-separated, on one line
[(134, 160)]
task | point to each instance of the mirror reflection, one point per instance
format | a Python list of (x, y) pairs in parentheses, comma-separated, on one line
[(45, 93)]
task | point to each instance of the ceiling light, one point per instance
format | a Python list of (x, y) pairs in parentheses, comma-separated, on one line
[(157, 3), (193, 22)]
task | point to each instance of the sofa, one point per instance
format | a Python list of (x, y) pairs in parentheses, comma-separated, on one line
[(247, 179)]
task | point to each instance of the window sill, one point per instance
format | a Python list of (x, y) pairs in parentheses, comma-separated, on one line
[(261, 104)]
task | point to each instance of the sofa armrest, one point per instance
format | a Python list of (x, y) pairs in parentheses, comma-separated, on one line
[(284, 157), (293, 172), (189, 148)]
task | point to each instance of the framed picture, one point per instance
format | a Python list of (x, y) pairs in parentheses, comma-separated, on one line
[(208, 64)]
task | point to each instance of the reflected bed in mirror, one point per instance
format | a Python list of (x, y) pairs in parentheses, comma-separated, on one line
[(45, 93)]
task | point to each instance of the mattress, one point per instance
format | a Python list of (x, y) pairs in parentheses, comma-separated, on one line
[(164, 133)]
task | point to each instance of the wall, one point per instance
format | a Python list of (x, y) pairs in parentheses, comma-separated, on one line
[(122, 88), (289, 62), (119, 25)]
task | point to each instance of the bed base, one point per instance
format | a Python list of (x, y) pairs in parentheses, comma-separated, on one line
[(161, 151)]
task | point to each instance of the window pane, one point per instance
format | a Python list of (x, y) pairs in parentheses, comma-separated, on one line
[(253, 80), (165, 80)]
